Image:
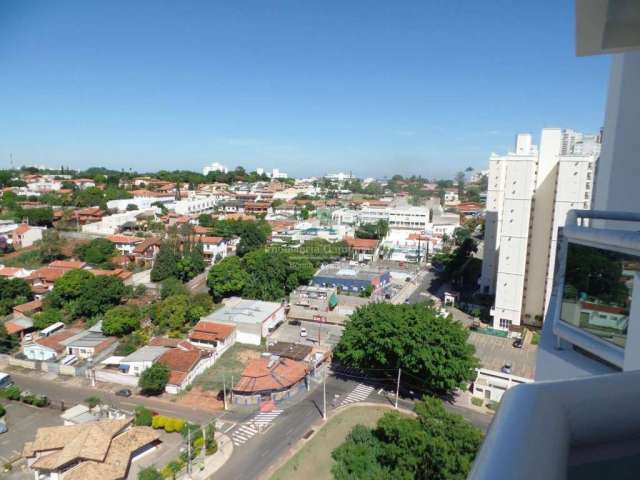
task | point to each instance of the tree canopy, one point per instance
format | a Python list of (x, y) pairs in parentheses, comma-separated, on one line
[(79, 293), (437, 445), (154, 379), (430, 348), (261, 274), (97, 252), (13, 292), (121, 320)]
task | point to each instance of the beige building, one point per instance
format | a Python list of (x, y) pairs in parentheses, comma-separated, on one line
[(529, 194)]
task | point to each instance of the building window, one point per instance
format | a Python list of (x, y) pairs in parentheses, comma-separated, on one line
[(504, 323)]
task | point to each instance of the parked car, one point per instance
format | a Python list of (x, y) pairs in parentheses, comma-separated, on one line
[(5, 380), (506, 368), (295, 322), (3, 428), (125, 392), (303, 332), (517, 343)]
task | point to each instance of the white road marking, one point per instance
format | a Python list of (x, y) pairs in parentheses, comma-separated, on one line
[(358, 394), (245, 432)]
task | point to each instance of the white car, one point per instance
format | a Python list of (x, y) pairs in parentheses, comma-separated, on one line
[(303, 332)]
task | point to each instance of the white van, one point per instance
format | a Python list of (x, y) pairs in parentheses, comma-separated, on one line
[(5, 380)]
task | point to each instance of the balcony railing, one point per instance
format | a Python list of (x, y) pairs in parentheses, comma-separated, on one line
[(586, 427)]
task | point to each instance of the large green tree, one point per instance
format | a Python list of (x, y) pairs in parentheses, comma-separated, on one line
[(429, 347), (121, 320), (176, 314), (51, 246), (252, 237), (79, 293), (436, 445), (227, 278), (47, 317)]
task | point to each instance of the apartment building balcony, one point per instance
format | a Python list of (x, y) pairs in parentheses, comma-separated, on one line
[(580, 419)]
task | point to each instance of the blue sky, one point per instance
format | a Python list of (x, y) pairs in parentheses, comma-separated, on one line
[(424, 87)]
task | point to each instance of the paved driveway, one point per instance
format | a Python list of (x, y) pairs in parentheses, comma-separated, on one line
[(327, 335), (23, 421)]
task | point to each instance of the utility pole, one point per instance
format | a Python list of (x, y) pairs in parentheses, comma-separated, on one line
[(189, 448), (324, 393), (224, 390), (398, 388)]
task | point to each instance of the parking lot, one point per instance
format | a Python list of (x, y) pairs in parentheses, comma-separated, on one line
[(317, 334), (23, 421), (494, 352)]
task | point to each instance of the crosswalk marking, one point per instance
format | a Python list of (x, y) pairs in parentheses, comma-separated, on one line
[(246, 431), (358, 394)]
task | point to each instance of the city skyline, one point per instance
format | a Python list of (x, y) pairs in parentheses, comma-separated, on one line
[(86, 85)]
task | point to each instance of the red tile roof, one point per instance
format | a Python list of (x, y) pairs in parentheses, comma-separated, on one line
[(68, 264), (21, 229), (29, 307), (362, 243), (125, 239), (47, 274), (263, 374), (210, 240), (180, 363), (211, 331), (9, 271)]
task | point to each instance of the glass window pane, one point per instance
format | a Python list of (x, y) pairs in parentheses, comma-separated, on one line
[(597, 291)]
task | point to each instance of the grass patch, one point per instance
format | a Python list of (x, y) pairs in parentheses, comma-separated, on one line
[(477, 401), (231, 363), (535, 339), (30, 260), (313, 460)]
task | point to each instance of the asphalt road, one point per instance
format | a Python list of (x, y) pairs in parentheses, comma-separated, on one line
[(252, 459), (58, 391)]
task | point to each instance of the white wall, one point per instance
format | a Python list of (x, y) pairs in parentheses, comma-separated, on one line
[(618, 169)]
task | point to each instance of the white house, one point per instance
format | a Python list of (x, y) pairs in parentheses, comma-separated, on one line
[(125, 244), (137, 362), (213, 248)]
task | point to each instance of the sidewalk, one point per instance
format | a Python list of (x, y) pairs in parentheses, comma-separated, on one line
[(214, 462)]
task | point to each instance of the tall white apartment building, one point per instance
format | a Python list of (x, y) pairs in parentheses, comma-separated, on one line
[(529, 194)]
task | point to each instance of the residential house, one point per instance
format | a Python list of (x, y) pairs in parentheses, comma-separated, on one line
[(95, 450), (214, 248), (25, 236), (51, 347), (88, 215), (362, 249), (90, 344), (138, 361), (184, 367), (213, 336), (145, 252), (125, 244)]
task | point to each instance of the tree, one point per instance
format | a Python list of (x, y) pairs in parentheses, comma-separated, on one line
[(205, 220), (154, 379), (51, 246), (42, 217), (150, 473), (172, 314), (8, 343), (97, 252), (417, 338), (227, 278), (81, 294), (13, 292), (460, 176), (172, 286), (252, 237), (436, 445), (47, 317), (121, 320), (143, 416), (165, 265)]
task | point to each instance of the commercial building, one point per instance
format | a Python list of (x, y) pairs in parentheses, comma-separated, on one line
[(350, 278), (253, 319), (530, 192)]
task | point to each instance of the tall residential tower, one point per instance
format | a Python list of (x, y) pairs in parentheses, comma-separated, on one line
[(530, 192)]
